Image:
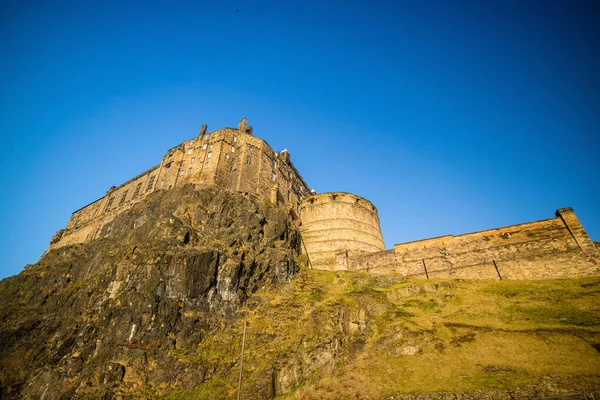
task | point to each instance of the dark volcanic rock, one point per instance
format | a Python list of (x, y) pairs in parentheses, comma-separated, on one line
[(101, 318)]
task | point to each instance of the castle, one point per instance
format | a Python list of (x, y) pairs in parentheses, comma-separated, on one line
[(341, 231)]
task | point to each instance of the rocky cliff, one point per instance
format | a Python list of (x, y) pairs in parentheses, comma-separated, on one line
[(102, 318), (156, 308)]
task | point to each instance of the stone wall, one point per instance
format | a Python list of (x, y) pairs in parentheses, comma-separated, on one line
[(549, 249), (231, 158), (336, 226)]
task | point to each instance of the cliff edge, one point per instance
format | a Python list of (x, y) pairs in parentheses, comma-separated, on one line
[(102, 317)]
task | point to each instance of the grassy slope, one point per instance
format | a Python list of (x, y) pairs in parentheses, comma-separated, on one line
[(404, 336)]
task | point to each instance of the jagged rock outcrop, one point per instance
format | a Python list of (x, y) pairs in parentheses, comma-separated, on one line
[(100, 319)]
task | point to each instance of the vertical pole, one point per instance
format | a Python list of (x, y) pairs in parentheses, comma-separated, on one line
[(242, 360), (497, 270), (425, 268), (306, 251)]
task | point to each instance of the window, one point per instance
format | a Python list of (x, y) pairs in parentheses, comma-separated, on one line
[(226, 156), (123, 197), (206, 137), (273, 176), (189, 170), (210, 146), (204, 146), (181, 172), (274, 163), (249, 160), (150, 183), (192, 160), (182, 163), (109, 204), (191, 141), (205, 165), (209, 155), (137, 189), (234, 138), (162, 182), (232, 149), (190, 151)]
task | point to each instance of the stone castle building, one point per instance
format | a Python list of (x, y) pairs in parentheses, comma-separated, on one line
[(341, 231)]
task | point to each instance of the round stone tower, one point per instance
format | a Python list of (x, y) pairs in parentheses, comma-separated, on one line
[(335, 225)]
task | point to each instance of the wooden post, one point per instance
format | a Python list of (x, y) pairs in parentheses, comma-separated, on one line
[(425, 268), (497, 270)]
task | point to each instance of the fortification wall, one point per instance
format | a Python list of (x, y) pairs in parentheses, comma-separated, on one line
[(230, 158), (336, 226), (549, 249)]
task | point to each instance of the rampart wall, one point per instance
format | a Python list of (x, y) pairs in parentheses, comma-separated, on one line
[(550, 249), (230, 158)]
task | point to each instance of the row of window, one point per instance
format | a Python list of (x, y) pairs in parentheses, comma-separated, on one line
[(136, 193), (189, 170)]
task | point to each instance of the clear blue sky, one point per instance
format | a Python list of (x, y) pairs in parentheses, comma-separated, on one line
[(450, 116)]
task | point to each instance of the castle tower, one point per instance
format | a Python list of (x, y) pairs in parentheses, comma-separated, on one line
[(335, 225)]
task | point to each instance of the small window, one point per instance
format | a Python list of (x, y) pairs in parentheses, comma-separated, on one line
[(232, 149), (248, 160), (204, 146), (109, 204), (190, 151), (274, 163), (162, 182), (191, 141), (206, 137), (137, 189), (226, 156), (234, 138), (209, 155), (189, 170), (182, 163), (150, 183), (181, 173), (205, 165), (192, 160), (273, 176), (123, 197), (210, 146)]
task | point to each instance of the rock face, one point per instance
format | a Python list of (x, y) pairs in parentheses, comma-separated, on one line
[(100, 318)]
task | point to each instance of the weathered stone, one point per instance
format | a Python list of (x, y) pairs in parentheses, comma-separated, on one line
[(102, 318)]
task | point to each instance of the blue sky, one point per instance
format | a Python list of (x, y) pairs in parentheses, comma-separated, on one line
[(450, 116)]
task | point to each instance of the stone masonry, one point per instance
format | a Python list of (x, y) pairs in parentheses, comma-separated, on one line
[(341, 231), (231, 158)]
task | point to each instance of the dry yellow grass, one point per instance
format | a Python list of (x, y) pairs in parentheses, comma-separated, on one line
[(417, 336)]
